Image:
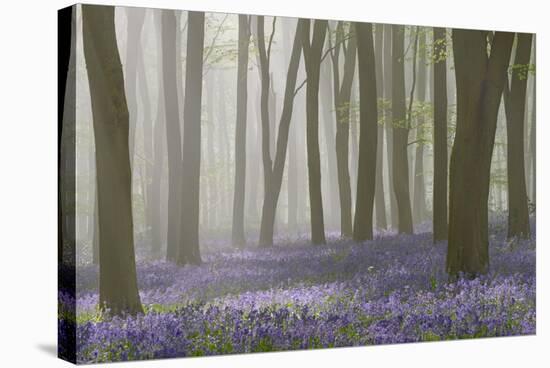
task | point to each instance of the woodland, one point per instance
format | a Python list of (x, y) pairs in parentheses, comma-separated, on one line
[(241, 183)]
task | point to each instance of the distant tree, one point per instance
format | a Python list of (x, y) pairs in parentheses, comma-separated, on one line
[(189, 251), (134, 24), (237, 235), (368, 134), (480, 79), (379, 196), (388, 122), (342, 102), (159, 149), (440, 134), (400, 166), (173, 134), (419, 186), (312, 49), (518, 212), (118, 290)]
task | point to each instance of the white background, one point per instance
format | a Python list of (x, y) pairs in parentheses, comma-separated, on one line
[(28, 222)]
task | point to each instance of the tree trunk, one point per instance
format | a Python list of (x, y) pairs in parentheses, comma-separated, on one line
[(147, 149), (518, 212), (440, 135), (419, 186), (368, 116), (400, 165), (480, 80), (342, 101), (237, 235), (533, 137), (189, 251), (118, 290), (158, 149), (380, 201), (173, 134), (388, 121), (312, 57), (274, 175)]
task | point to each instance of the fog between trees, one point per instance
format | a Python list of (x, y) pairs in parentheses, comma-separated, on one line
[(201, 132)]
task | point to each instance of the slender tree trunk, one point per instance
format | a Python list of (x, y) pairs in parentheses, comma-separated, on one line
[(189, 251), (440, 135), (518, 212), (329, 122), (158, 150), (480, 80), (147, 149), (173, 134), (342, 101), (400, 165), (312, 57), (118, 290), (274, 174), (380, 201), (237, 235), (388, 121), (368, 115), (419, 186)]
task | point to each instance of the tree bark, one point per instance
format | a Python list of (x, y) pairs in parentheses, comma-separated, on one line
[(237, 235), (189, 251), (118, 292), (312, 57), (400, 164), (440, 182), (368, 135), (480, 80), (518, 212)]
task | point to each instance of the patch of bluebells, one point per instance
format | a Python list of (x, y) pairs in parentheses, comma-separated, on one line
[(390, 290)]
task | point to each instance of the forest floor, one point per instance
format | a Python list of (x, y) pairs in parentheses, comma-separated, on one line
[(393, 289)]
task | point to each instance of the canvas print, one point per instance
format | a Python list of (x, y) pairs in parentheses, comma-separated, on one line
[(233, 183)]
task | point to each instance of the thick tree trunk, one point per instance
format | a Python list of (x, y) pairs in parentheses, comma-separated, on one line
[(237, 234), (368, 115), (388, 122), (419, 186), (312, 57), (400, 164), (480, 80), (518, 212), (380, 201), (274, 174), (189, 251), (173, 134), (440, 215), (118, 290)]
